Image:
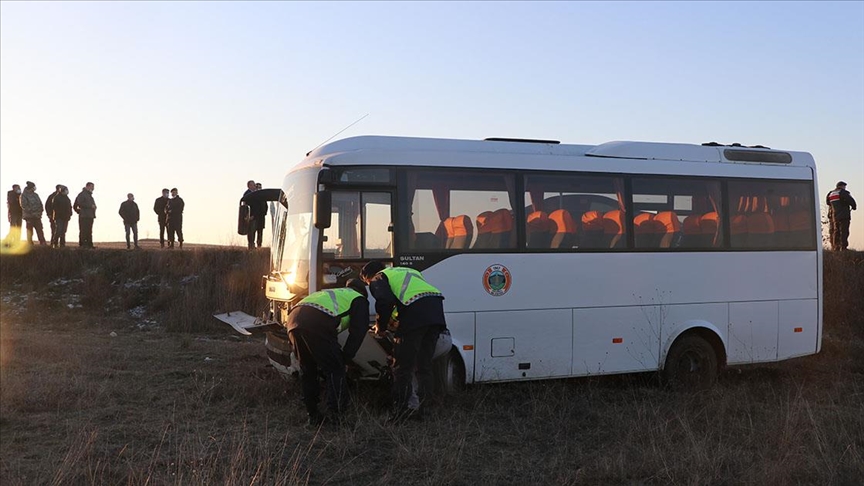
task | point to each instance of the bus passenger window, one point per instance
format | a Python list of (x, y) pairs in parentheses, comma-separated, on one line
[(443, 203), (769, 214), (578, 206), (676, 213)]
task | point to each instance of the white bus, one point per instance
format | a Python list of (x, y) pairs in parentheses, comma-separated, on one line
[(563, 260)]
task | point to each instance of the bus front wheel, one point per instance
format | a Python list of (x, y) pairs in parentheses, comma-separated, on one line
[(449, 373), (691, 364)]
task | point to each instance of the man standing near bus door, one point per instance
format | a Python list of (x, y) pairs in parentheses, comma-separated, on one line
[(421, 319), (313, 326), (159, 209), (842, 205)]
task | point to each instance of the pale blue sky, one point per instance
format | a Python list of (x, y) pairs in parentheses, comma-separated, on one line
[(136, 96)]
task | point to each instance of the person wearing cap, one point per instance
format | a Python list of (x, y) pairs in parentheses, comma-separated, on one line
[(842, 204), (313, 326), (159, 209), (62, 213), (31, 211), (420, 308), (85, 206), (13, 213)]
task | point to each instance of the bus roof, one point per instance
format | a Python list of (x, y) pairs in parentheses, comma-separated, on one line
[(384, 150)]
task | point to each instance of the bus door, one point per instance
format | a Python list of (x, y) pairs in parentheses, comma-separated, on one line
[(359, 231)]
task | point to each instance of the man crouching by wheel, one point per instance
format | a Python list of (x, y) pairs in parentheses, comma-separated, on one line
[(421, 319)]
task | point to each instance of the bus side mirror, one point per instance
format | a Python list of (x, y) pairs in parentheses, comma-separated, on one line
[(322, 208)]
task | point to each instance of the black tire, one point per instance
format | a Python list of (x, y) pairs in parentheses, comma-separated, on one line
[(449, 373), (691, 364)]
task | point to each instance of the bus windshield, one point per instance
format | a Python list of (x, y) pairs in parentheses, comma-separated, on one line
[(293, 228)]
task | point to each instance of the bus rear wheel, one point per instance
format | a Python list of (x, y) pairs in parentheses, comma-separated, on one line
[(449, 373), (691, 364)]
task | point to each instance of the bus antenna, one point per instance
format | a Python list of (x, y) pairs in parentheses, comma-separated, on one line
[(337, 133)]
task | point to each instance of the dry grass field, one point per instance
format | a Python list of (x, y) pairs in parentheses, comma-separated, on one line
[(112, 371)]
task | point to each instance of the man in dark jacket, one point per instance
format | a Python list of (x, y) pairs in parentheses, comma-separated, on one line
[(420, 311), (159, 209), (842, 205), (62, 213), (85, 206), (13, 213), (130, 214), (313, 326), (49, 208), (174, 218), (257, 212)]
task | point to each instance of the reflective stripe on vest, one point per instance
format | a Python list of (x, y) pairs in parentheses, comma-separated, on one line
[(834, 196), (334, 303), (408, 284)]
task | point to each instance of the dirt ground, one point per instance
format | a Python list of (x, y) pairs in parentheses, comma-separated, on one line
[(90, 396)]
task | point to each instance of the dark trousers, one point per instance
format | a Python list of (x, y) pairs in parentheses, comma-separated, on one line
[(58, 236), (15, 220), (53, 228), (412, 351), (134, 228), (85, 232), (35, 224), (163, 228), (255, 231), (175, 227), (841, 234), (320, 354)]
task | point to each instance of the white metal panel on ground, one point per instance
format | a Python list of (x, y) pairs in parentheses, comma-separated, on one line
[(798, 331), (542, 344), (752, 332), (615, 340)]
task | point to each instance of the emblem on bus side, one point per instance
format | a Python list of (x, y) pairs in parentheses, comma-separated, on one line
[(497, 280)]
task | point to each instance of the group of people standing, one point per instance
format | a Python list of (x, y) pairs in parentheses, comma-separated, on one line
[(840, 206), (169, 213), (26, 207)]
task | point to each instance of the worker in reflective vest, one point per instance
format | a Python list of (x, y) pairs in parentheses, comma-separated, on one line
[(421, 319), (312, 327)]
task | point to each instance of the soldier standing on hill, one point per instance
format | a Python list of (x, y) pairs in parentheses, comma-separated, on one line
[(842, 205), (174, 218), (62, 213), (85, 206), (159, 209)]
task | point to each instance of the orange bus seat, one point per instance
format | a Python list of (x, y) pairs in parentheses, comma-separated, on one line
[(613, 229), (671, 229), (591, 235), (539, 230), (459, 232), (565, 229)]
